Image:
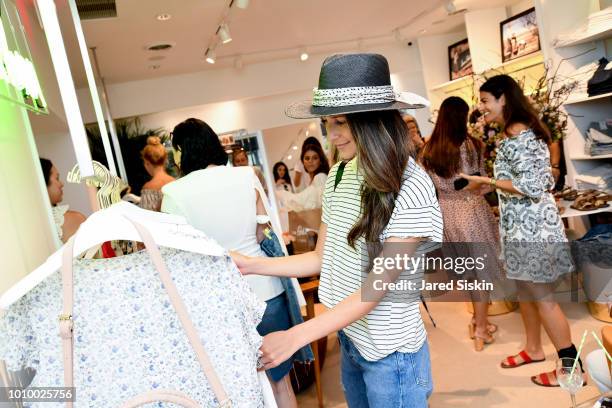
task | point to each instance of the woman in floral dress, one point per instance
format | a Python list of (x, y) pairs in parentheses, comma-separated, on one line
[(467, 217), (534, 243)]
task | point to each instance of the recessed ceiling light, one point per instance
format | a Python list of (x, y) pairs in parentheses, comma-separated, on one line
[(164, 17), (289, 157), (303, 54)]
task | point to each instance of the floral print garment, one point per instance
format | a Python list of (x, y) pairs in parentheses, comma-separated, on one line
[(127, 337), (531, 231)]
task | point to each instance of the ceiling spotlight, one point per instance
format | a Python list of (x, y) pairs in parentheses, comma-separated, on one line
[(303, 54), (294, 147), (210, 56), (224, 33), (289, 157), (241, 3), (163, 17)]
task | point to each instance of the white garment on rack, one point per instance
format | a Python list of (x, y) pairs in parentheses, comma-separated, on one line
[(127, 338), (59, 211), (308, 199), (221, 202)]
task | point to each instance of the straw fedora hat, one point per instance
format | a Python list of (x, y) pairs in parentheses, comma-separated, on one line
[(350, 83)]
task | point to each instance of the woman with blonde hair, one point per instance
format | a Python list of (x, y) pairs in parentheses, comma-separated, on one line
[(154, 157)]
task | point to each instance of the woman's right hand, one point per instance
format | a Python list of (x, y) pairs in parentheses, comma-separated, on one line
[(241, 261), (280, 182)]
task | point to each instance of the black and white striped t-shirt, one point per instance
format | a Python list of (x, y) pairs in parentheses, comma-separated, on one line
[(390, 326)]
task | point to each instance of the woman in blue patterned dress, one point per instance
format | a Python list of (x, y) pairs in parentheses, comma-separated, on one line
[(535, 248)]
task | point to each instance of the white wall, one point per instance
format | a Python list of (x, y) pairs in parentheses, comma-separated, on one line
[(267, 79), (261, 94), (520, 7), (28, 233), (51, 131), (280, 139), (483, 32)]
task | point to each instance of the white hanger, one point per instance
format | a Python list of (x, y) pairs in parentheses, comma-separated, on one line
[(112, 224), (109, 186)]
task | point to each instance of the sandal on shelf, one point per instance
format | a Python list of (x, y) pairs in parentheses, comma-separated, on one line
[(593, 200), (520, 359), (549, 379), (567, 193)]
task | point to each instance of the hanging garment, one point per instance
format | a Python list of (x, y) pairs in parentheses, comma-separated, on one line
[(127, 337)]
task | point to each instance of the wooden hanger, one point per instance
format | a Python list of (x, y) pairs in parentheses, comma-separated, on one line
[(112, 224)]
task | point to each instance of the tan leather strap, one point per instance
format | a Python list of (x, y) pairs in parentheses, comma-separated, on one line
[(66, 324), (65, 319), (171, 396)]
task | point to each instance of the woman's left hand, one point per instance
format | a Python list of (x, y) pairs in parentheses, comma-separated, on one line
[(277, 347)]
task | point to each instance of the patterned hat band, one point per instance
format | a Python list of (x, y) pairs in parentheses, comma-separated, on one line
[(360, 95)]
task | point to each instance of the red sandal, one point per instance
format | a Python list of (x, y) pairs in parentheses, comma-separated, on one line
[(544, 379), (513, 361), (549, 379)]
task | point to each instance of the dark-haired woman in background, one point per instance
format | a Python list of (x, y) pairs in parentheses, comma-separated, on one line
[(66, 221), (223, 202), (301, 177), (282, 179), (532, 234), (316, 168), (467, 216)]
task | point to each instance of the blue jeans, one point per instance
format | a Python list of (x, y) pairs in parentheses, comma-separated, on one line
[(400, 380)]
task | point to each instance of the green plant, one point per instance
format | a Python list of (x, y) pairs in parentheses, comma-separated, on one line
[(132, 137)]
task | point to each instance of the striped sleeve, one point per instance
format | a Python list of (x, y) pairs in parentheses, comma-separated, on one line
[(417, 212)]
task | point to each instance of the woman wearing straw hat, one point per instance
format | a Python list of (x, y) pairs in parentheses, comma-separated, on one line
[(377, 194)]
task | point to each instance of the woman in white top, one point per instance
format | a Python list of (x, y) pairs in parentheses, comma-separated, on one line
[(222, 202), (301, 178), (377, 194), (316, 167)]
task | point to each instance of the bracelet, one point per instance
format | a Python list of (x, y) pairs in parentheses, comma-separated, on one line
[(493, 182)]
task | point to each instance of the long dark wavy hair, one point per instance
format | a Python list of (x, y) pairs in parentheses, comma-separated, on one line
[(517, 109), (199, 146), (441, 154), (383, 151), (286, 177), (323, 162), (46, 168)]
